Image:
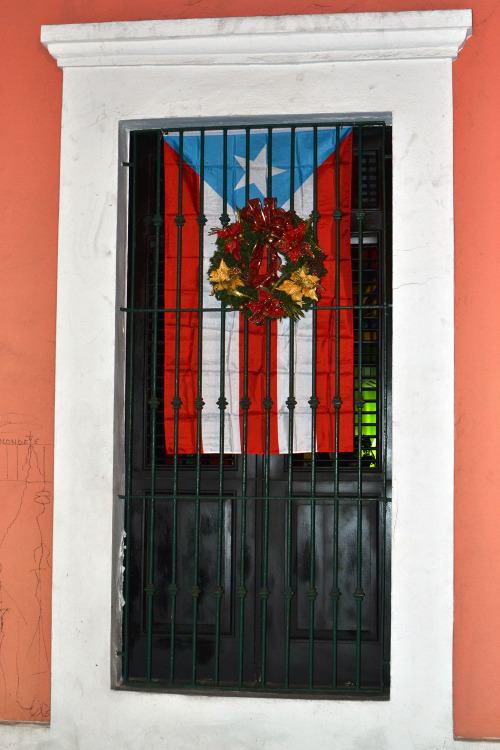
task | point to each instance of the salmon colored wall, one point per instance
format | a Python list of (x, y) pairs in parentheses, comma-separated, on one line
[(29, 175)]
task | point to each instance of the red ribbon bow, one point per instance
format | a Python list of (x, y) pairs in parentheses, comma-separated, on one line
[(276, 222), (269, 217)]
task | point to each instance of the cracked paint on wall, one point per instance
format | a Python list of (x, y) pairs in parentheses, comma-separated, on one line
[(25, 569)]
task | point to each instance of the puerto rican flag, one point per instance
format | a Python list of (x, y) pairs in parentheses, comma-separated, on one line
[(212, 185)]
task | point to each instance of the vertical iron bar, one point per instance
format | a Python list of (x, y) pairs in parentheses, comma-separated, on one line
[(337, 402), (289, 592), (265, 592), (196, 590), (131, 302), (312, 593), (153, 405), (218, 592), (384, 377), (313, 402), (315, 213), (269, 162), (247, 164), (359, 593), (245, 405), (222, 403), (176, 403), (242, 590), (150, 589), (291, 403)]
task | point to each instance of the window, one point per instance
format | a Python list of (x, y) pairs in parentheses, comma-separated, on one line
[(251, 568), (121, 90)]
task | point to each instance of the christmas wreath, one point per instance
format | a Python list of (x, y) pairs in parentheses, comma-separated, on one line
[(267, 263)]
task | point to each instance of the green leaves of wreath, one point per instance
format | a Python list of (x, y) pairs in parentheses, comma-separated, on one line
[(267, 263)]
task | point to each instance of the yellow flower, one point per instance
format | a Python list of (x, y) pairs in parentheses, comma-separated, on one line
[(293, 290), (226, 278), (301, 284)]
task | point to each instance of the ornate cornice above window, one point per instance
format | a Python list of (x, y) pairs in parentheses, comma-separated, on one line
[(347, 37)]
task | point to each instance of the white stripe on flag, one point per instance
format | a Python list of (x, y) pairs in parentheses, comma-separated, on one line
[(302, 423), (211, 356)]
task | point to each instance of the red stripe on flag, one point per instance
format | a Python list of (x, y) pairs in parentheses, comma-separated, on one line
[(325, 343), (188, 350), (256, 424)]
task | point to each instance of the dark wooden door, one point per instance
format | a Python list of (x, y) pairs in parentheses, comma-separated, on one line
[(311, 632)]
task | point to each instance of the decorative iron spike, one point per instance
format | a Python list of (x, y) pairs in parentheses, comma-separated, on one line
[(176, 402), (222, 403), (218, 592), (313, 402), (242, 591), (245, 403)]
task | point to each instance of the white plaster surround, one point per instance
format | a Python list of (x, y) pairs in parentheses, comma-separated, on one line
[(396, 66)]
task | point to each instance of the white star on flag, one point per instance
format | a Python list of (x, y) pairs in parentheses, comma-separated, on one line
[(258, 171)]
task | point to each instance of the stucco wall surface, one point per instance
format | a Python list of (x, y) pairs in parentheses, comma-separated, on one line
[(29, 190)]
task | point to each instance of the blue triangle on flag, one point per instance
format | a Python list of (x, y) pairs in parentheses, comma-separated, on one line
[(237, 162)]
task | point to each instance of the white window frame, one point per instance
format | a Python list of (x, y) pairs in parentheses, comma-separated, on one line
[(118, 76)]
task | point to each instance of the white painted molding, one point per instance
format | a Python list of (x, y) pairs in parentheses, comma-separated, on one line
[(346, 37)]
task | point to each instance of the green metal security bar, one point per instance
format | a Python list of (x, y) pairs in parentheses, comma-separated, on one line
[(258, 574)]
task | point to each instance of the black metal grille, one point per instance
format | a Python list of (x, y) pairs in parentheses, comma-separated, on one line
[(265, 574)]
